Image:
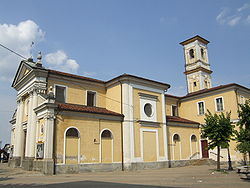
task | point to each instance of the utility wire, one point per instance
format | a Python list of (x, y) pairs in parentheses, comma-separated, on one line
[(13, 51)]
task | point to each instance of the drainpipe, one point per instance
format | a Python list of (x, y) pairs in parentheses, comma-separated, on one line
[(122, 129), (54, 143)]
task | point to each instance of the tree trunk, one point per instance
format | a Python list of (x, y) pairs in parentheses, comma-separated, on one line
[(244, 158), (229, 160), (248, 158), (218, 157)]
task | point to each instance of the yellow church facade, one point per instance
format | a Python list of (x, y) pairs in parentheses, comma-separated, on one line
[(67, 123)]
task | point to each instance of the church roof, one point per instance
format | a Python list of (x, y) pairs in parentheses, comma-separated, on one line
[(138, 77), (197, 37), (214, 89), (180, 120), (75, 76), (105, 82), (86, 109), (172, 96), (203, 91)]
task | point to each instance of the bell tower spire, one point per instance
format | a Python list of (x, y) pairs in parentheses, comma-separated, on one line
[(197, 67)]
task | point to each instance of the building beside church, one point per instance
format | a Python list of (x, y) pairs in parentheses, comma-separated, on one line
[(70, 123)]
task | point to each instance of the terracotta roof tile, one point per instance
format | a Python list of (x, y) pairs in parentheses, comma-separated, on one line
[(100, 81), (138, 77), (180, 120), (212, 89), (167, 95), (87, 109)]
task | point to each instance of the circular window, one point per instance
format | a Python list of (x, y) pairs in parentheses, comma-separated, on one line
[(148, 109)]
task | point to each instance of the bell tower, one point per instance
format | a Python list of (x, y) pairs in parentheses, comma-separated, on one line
[(197, 67)]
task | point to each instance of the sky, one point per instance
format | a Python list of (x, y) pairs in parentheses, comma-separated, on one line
[(105, 38)]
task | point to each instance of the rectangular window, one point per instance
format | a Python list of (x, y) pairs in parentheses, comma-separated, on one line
[(174, 110), (219, 104), (201, 108), (60, 94), (242, 99), (91, 98), (206, 84)]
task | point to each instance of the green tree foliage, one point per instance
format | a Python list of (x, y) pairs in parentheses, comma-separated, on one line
[(243, 135), (219, 130), (244, 115)]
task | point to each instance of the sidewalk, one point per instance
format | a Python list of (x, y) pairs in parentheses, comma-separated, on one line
[(191, 176)]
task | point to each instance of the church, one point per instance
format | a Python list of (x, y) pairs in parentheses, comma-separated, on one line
[(66, 123)]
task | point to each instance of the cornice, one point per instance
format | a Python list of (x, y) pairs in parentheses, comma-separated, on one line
[(198, 69)]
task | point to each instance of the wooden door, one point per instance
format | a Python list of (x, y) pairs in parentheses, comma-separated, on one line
[(204, 148)]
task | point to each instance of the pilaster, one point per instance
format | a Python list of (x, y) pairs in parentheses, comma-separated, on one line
[(49, 134), (165, 135), (33, 123), (29, 124), (128, 124)]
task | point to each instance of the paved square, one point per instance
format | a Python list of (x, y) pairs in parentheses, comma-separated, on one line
[(190, 176)]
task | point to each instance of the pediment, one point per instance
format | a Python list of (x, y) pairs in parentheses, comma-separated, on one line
[(23, 70)]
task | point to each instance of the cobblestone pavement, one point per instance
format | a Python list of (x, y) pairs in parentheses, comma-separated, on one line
[(191, 176)]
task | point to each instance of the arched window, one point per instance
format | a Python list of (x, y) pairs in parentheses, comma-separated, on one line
[(202, 53), (106, 134), (176, 138), (72, 146), (106, 147), (72, 132), (193, 138), (191, 53)]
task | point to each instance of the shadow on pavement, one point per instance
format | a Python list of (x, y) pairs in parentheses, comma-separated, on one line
[(4, 179), (83, 184), (3, 171)]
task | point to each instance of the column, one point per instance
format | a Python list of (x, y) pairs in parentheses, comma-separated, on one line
[(18, 147)]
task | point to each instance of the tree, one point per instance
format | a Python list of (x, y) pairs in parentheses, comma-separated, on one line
[(219, 130), (243, 135)]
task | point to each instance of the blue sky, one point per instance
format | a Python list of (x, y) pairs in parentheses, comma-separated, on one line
[(106, 38)]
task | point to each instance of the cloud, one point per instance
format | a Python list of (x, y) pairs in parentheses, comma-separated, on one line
[(168, 20), (233, 17), (248, 19), (162, 19), (89, 74), (18, 38), (60, 61), (234, 21), (243, 7), (221, 16)]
